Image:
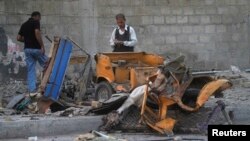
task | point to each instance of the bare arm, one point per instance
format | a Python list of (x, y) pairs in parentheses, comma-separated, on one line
[(39, 39), (20, 38)]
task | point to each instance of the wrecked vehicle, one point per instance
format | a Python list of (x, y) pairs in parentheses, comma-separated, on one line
[(179, 80), (150, 82), (115, 72), (156, 85), (122, 72), (172, 88)]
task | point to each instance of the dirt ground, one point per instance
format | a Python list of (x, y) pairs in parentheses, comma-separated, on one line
[(126, 136), (238, 98)]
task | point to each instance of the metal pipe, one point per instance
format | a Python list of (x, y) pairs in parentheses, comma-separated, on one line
[(77, 45), (208, 72), (48, 38), (213, 72)]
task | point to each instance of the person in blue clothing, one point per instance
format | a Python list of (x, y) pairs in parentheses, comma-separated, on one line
[(34, 50)]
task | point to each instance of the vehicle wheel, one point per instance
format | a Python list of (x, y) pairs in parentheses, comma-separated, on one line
[(103, 91)]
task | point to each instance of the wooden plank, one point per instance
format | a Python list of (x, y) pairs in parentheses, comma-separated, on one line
[(50, 66), (78, 60), (51, 49)]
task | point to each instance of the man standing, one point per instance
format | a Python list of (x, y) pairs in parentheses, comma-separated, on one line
[(123, 38), (30, 34)]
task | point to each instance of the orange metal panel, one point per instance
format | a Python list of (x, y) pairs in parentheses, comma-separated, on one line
[(152, 59), (104, 68), (133, 80), (121, 75), (209, 89), (166, 124), (164, 103), (136, 57)]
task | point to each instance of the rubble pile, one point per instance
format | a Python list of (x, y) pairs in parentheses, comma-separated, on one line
[(14, 99), (9, 89), (97, 136), (73, 111)]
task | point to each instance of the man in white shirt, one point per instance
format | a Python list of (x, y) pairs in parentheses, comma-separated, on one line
[(123, 38)]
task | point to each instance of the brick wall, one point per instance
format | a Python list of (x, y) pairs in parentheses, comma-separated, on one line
[(73, 18), (212, 34)]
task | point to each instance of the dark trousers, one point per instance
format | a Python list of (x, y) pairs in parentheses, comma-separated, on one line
[(123, 49)]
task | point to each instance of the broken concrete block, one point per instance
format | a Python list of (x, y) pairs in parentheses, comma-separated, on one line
[(96, 104), (246, 84), (15, 100), (85, 137), (33, 138)]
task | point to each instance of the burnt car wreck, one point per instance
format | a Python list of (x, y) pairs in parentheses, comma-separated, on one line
[(172, 88)]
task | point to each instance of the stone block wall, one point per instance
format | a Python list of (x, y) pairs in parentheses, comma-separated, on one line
[(72, 18), (212, 34)]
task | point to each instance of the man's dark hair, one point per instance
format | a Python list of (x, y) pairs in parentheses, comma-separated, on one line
[(35, 13), (120, 15)]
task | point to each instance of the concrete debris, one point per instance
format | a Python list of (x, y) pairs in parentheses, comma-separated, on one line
[(96, 104), (235, 69), (34, 138), (8, 118), (72, 111), (15, 100), (85, 137), (106, 137), (177, 138), (9, 89), (96, 136), (4, 111), (246, 85), (33, 107)]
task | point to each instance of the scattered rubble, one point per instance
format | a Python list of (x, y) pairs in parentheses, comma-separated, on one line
[(97, 136), (72, 111), (34, 138), (85, 137), (9, 89), (15, 100)]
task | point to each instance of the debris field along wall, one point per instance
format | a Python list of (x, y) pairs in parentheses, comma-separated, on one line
[(212, 34)]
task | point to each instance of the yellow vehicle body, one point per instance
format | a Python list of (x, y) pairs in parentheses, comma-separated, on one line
[(123, 71), (159, 119)]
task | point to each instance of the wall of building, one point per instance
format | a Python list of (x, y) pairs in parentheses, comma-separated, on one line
[(212, 34)]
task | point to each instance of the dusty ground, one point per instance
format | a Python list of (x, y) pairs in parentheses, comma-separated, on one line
[(9, 89), (127, 136), (238, 98)]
